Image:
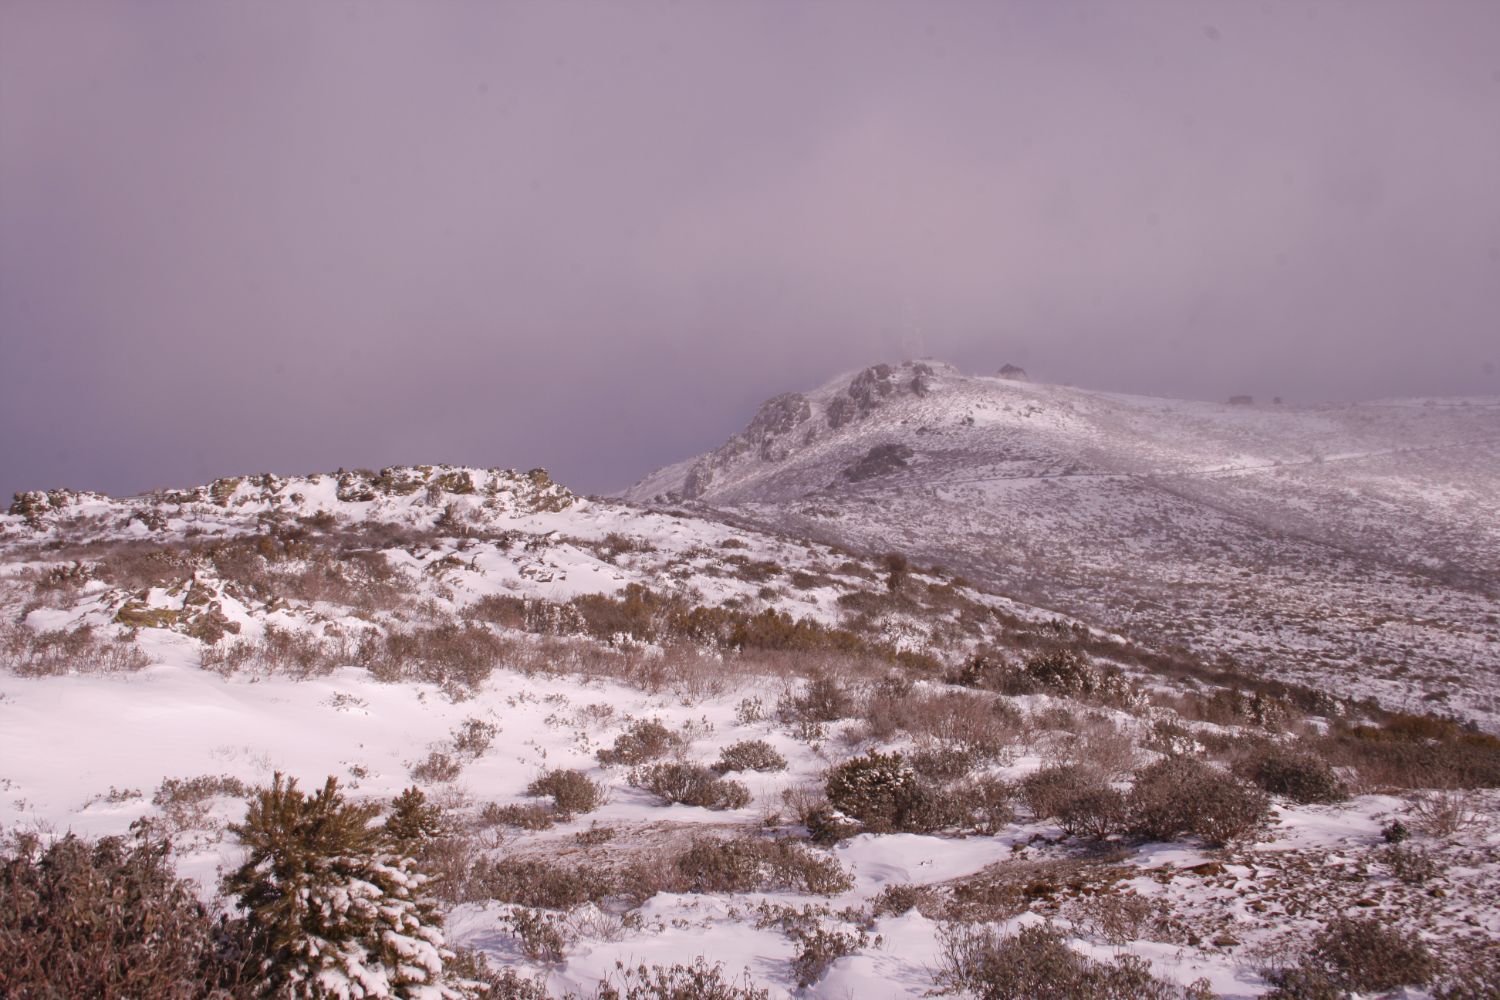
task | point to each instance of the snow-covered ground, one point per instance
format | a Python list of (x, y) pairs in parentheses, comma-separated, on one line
[(166, 654), (1356, 540)]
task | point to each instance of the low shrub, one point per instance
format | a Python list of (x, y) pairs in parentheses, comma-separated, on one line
[(691, 785), (1177, 796), (879, 790), (1049, 791), (1352, 954), (530, 816), (895, 900), (695, 981), (1095, 812), (1037, 962), (641, 743), (1294, 772), (111, 919), (824, 698), (986, 802), (540, 934), (750, 755), (547, 885), (754, 864), (1444, 812), (572, 792), (1412, 865)]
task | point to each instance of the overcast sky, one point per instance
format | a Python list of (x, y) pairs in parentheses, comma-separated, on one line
[(240, 237)]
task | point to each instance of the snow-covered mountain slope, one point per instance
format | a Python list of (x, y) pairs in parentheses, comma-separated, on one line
[(471, 631), (1336, 543)]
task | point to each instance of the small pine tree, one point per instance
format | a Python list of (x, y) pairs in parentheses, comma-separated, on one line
[(332, 910), (413, 822)]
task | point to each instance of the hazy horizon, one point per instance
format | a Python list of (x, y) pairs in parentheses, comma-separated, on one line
[(594, 237)]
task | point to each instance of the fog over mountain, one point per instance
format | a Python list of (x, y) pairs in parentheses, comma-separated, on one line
[(595, 236)]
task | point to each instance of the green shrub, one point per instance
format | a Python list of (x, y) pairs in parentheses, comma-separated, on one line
[(325, 900), (413, 822)]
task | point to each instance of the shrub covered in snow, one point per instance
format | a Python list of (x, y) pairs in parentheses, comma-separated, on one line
[(332, 911), (877, 789)]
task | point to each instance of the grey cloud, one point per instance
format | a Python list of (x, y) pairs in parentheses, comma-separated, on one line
[(237, 237)]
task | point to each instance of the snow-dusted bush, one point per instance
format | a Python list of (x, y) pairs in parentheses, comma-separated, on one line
[(879, 790), (572, 792), (332, 910), (110, 919), (749, 755), (692, 785)]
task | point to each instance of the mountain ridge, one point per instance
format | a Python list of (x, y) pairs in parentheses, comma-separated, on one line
[(1293, 536)]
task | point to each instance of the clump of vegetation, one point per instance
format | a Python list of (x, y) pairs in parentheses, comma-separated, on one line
[(530, 816), (549, 885), (413, 821), (28, 653), (879, 790), (692, 785), (327, 901), (1353, 955), (755, 864), (695, 981), (642, 742), (1416, 751), (540, 934), (572, 792), (1036, 961), (749, 755), (1297, 773), (111, 918), (1178, 796)]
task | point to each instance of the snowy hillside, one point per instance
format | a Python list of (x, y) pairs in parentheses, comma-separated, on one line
[(659, 741), (1359, 542)]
